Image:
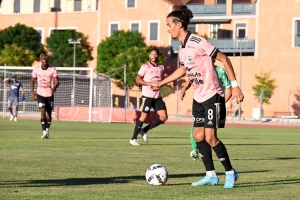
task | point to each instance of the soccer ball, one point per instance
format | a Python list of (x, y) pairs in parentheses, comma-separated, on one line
[(156, 175)]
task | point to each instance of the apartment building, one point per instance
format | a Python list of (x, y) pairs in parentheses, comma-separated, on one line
[(255, 34)]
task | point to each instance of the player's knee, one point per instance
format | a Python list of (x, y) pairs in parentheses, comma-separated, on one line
[(212, 141)]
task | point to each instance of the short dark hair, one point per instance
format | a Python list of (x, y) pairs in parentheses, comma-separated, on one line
[(154, 49), (183, 15)]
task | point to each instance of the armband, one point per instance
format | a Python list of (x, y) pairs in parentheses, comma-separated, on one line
[(234, 83)]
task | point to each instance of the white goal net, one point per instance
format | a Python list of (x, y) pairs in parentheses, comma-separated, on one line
[(81, 96)]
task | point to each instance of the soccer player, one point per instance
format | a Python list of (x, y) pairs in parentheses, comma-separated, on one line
[(13, 98), (227, 89), (196, 54), (47, 83), (150, 72)]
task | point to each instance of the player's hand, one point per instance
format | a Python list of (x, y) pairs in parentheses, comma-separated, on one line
[(23, 97), (154, 86), (237, 95), (182, 94), (34, 97)]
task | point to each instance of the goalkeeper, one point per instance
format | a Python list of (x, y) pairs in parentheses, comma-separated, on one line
[(227, 89), (13, 99)]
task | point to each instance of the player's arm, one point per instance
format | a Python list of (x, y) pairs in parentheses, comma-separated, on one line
[(56, 84), (139, 80), (32, 82), (236, 91), (6, 80), (179, 72), (184, 88)]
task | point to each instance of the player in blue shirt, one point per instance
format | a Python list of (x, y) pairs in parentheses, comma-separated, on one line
[(13, 98)]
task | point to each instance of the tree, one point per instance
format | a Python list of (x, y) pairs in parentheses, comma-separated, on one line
[(23, 36), (109, 49), (296, 104), (264, 83), (62, 53), (14, 55)]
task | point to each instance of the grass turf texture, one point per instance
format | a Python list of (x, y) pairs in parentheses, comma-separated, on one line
[(96, 161)]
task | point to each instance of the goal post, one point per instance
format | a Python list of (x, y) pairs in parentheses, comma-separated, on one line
[(83, 96)]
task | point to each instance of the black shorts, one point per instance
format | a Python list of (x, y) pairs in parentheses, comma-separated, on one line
[(210, 113), (45, 102), (148, 103)]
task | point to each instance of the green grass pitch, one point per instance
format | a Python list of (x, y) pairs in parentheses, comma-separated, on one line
[(95, 161)]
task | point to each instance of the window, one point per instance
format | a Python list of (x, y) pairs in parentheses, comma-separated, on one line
[(240, 31), (214, 30), (40, 32), (36, 6), (16, 6), (135, 26), (77, 6), (113, 26), (130, 4), (153, 31), (297, 29), (56, 3), (220, 1), (192, 28)]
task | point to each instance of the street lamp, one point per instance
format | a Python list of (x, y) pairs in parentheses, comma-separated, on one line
[(71, 41)]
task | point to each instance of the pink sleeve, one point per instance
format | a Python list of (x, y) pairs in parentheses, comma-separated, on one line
[(54, 73), (206, 48), (33, 73), (142, 71)]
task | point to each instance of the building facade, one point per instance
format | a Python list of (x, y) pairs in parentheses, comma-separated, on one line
[(255, 34)]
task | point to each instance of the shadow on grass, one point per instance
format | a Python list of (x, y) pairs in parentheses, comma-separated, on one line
[(98, 181), (267, 183), (279, 158)]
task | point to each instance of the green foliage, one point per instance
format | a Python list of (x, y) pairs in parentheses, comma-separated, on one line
[(14, 55), (62, 53), (23, 36), (264, 83), (109, 49), (296, 104), (165, 91), (133, 58)]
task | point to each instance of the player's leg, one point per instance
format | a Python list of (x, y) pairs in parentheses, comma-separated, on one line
[(9, 107), (42, 106), (16, 108), (215, 118), (49, 109), (161, 110), (204, 148), (194, 153), (145, 108)]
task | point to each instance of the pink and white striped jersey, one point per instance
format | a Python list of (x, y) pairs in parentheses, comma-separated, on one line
[(151, 73), (196, 55), (45, 80)]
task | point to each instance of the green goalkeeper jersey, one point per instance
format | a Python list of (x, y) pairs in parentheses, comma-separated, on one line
[(223, 78)]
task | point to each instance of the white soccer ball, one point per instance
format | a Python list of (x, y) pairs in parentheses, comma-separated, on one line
[(157, 174)]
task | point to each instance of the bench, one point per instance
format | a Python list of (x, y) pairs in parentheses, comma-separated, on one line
[(289, 117)]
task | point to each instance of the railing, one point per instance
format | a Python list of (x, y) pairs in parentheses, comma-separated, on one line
[(243, 8), (225, 45), (201, 9)]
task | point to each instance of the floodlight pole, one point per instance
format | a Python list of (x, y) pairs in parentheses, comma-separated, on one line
[(125, 97), (74, 42)]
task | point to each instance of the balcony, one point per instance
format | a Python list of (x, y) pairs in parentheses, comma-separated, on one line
[(243, 9), (207, 10), (226, 45)]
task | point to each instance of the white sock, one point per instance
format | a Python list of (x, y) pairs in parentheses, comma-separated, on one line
[(211, 173), (230, 172)]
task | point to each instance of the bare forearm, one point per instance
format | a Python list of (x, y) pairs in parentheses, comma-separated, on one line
[(140, 81), (175, 75)]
